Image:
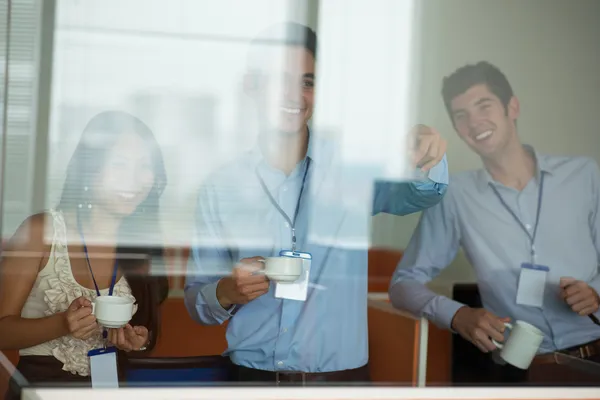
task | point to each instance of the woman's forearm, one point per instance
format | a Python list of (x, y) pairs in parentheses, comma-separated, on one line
[(19, 333)]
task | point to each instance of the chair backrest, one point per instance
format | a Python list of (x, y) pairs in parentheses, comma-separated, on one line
[(382, 264), (178, 371)]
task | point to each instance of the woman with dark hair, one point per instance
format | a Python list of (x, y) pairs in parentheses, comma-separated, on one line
[(100, 240)]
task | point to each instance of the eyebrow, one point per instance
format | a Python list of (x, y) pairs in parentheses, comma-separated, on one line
[(309, 75), (482, 100)]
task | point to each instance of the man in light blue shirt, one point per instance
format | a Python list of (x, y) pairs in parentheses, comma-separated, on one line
[(523, 208), (286, 192)]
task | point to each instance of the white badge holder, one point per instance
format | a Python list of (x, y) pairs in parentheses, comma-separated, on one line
[(103, 366), (532, 282)]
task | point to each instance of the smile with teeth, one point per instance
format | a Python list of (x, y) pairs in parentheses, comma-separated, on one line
[(289, 110), (126, 195), (483, 135)]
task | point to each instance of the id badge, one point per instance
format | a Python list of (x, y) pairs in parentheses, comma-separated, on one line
[(103, 366), (295, 290), (532, 282)]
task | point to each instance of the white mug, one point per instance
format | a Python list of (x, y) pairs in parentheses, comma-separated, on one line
[(282, 269), (112, 311), (522, 344)]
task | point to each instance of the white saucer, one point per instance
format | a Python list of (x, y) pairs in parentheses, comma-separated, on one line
[(112, 324)]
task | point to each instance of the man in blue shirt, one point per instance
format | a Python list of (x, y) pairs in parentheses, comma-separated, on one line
[(529, 224), (289, 193)]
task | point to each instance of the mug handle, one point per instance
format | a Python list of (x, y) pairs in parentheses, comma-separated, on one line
[(93, 308), (500, 345)]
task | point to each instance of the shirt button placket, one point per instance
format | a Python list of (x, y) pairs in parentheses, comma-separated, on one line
[(282, 344)]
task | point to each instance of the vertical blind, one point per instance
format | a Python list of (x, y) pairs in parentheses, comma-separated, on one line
[(19, 46)]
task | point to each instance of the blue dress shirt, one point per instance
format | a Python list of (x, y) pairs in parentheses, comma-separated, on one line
[(472, 217), (235, 220)]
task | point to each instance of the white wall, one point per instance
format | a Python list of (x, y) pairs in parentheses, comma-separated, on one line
[(550, 52)]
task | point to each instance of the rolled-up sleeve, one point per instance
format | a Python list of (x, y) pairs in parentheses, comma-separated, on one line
[(209, 261), (403, 198), (432, 248)]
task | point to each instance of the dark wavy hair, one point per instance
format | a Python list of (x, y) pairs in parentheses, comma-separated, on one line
[(281, 34), (139, 240), (289, 34), (470, 75)]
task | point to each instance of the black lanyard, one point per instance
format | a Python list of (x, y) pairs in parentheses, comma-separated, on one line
[(276, 205), (537, 218), (87, 258)]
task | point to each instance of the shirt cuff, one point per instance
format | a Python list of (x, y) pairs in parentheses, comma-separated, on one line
[(445, 311), (209, 295), (439, 172)]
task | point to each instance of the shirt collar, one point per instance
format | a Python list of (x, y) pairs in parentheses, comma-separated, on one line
[(317, 151), (541, 162)]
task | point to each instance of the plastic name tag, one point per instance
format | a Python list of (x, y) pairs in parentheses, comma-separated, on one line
[(532, 282), (103, 366)]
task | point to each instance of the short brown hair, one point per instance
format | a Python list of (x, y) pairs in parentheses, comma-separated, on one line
[(470, 75)]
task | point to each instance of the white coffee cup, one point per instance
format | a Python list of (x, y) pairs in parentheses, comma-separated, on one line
[(282, 269), (112, 311), (522, 344)]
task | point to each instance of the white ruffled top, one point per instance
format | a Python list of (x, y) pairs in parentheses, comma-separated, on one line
[(54, 290)]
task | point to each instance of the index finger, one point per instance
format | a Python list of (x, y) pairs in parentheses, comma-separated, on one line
[(421, 149), (249, 265), (432, 157), (425, 152), (573, 289), (496, 327), (251, 260), (566, 281), (79, 302), (441, 151), (130, 333), (82, 312), (484, 343), (492, 331), (248, 278)]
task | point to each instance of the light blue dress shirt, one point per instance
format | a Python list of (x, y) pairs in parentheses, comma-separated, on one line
[(471, 216), (235, 220)]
